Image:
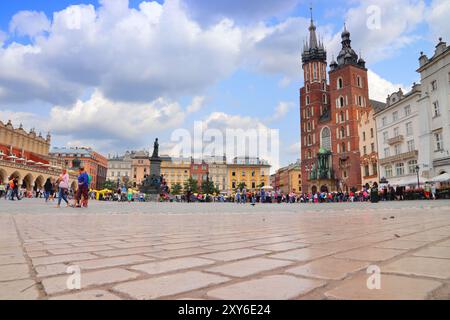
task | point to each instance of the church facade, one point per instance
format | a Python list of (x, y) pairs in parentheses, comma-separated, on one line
[(330, 111)]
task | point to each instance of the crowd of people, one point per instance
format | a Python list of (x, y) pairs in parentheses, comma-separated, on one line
[(58, 190)]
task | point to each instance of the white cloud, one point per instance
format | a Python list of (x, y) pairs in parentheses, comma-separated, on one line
[(27, 119), (380, 88), (128, 54), (397, 22), (197, 103), (437, 17), (281, 110), (102, 119), (29, 23)]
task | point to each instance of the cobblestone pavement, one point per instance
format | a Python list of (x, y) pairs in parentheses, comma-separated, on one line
[(225, 251)]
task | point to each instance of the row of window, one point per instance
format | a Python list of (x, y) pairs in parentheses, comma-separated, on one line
[(409, 132), (398, 149), (400, 169), (234, 185), (396, 116)]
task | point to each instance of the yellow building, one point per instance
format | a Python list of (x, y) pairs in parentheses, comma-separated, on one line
[(176, 171), (25, 155), (254, 172), (288, 179)]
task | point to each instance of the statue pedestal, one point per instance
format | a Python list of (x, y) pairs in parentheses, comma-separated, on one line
[(152, 184)]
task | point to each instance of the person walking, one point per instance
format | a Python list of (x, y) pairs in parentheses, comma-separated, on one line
[(63, 187), (48, 187), (82, 196), (15, 189)]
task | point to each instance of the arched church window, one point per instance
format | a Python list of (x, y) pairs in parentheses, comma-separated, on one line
[(326, 139), (340, 83)]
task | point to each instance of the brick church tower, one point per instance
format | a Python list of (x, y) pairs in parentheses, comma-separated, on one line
[(329, 116)]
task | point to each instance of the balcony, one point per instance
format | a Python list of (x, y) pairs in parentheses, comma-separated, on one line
[(395, 140), (400, 157)]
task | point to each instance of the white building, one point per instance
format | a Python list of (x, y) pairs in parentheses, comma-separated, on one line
[(434, 112), (398, 127), (119, 167)]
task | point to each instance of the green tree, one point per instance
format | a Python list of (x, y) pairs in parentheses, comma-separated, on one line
[(177, 189), (208, 187), (241, 186), (192, 185), (111, 185)]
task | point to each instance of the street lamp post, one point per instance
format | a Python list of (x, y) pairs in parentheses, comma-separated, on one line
[(418, 177)]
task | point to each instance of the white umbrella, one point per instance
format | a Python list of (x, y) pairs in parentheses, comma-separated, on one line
[(11, 157), (445, 177), (30, 161), (267, 188), (39, 163), (408, 181)]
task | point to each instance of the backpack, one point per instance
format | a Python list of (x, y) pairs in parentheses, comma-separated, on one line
[(89, 180), (11, 184)]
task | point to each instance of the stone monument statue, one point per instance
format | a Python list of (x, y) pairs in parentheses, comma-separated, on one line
[(152, 183)]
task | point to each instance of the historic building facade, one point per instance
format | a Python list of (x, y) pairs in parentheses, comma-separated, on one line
[(254, 172), (95, 164), (140, 167), (434, 112), (398, 129), (329, 116), (176, 171), (25, 155), (368, 144), (119, 168), (288, 179)]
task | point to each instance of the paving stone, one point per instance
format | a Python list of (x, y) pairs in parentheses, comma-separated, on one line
[(278, 287), (94, 278), (429, 237), (171, 265), (14, 272), (434, 252), (19, 290), (329, 268), (111, 262), (370, 254), (234, 254), (249, 267), (401, 244), (231, 246), (443, 244), (88, 295), (12, 259), (62, 258), (285, 246), (392, 288), (420, 266), (304, 254), (78, 250), (47, 270), (168, 285), (126, 252), (177, 253)]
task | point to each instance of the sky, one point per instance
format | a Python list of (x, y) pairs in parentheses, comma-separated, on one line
[(115, 74)]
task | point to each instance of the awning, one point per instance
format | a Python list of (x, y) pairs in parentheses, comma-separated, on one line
[(445, 177), (409, 181)]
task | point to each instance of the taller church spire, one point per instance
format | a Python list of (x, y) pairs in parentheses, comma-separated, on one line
[(313, 50)]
